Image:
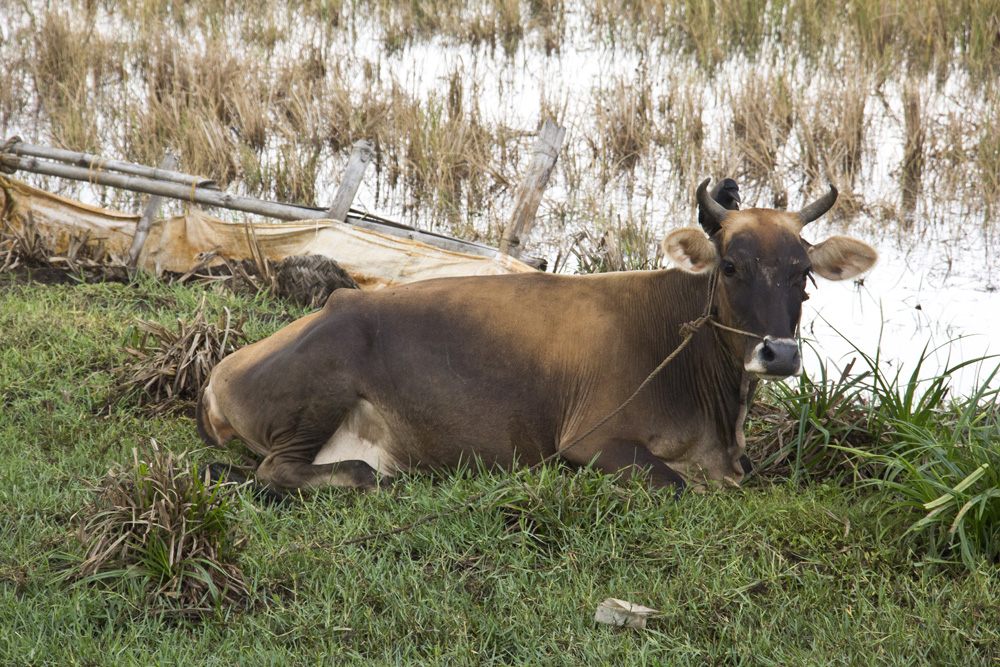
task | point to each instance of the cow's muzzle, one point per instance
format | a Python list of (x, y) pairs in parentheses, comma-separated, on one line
[(775, 358)]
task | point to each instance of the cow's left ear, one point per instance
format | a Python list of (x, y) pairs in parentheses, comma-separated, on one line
[(691, 250), (842, 258)]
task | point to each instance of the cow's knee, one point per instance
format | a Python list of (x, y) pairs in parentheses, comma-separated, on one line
[(354, 475), (627, 459)]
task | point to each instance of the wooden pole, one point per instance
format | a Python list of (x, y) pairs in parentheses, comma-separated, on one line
[(349, 184), (96, 163), (529, 195), (169, 163)]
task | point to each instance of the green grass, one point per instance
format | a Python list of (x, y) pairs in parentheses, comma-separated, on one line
[(937, 455), (768, 574)]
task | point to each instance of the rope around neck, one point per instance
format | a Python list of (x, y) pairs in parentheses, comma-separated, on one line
[(687, 332)]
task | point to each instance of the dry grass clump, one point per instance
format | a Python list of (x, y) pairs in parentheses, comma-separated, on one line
[(351, 110), (548, 19), (932, 36), (683, 135), (831, 132), (629, 246), (488, 22), (21, 244), (16, 95), (444, 155), (625, 132), (962, 159), (987, 159), (201, 104), (173, 365), (915, 132), (167, 528), (72, 67), (763, 117)]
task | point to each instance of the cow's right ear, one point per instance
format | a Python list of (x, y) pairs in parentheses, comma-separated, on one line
[(691, 250)]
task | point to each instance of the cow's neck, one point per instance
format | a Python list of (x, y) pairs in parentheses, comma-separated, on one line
[(712, 366), (737, 385)]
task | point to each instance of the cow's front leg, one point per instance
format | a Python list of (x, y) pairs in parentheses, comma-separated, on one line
[(286, 472), (627, 458)]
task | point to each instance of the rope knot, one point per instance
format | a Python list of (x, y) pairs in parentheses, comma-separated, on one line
[(7, 147), (689, 329)]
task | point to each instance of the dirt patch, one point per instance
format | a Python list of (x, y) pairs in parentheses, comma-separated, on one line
[(55, 275)]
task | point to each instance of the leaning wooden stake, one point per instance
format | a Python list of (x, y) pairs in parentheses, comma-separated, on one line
[(169, 163), (362, 155), (529, 195)]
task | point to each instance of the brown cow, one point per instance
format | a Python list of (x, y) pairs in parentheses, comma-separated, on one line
[(509, 369)]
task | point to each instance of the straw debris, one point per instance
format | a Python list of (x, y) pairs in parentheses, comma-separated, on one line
[(172, 365)]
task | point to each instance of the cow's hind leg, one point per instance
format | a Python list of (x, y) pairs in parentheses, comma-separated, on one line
[(286, 473)]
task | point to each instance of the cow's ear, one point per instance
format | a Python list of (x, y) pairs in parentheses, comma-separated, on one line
[(691, 250), (842, 258)]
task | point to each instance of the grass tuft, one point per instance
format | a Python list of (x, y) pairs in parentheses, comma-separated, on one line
[(166, 528), (939, 457), (624, 118), (807, 425), (944, 466)]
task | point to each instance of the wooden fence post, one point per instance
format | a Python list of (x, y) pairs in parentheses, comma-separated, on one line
[(529, 195), (169, 163), (349, 184)]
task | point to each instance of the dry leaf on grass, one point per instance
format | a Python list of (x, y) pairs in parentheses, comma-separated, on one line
[(623, 613)]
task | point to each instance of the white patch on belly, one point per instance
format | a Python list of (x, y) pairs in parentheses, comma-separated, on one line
[(362, 436)]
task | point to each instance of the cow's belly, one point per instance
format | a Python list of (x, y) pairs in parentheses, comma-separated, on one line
[(365, 436)]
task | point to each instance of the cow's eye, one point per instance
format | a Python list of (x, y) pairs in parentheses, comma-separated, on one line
[(728, 268)]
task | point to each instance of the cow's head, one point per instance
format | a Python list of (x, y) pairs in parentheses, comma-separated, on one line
[(763, 265)]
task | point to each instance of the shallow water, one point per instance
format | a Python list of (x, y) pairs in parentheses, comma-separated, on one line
[(938, 299)]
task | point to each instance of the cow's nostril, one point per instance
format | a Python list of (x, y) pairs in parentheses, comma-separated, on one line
[(766, 353)]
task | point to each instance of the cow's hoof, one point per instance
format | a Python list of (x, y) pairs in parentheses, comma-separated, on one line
[(220, 472)]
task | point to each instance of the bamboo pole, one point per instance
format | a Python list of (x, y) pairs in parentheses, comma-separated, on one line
[(95, 163)]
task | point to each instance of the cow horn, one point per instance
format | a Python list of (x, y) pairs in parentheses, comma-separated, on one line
[(714, 212), (818, 207)]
